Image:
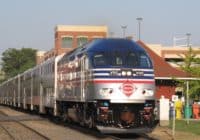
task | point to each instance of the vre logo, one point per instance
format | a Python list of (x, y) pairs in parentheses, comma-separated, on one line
[(128, 88)]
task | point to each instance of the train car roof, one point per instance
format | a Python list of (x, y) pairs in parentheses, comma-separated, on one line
[(110, 44)]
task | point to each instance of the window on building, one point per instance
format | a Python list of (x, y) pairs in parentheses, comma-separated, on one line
[(67, 42), (81, 41), (97, 37)]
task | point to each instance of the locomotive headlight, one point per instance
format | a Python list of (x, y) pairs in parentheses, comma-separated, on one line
[(123, 73), (148, 92), (129, 73), (105, 91)]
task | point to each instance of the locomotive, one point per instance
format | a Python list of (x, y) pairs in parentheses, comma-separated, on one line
[(107, 84)]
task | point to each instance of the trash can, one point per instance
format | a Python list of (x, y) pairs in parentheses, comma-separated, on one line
[(196, 111), (187, 111), (178, 108)]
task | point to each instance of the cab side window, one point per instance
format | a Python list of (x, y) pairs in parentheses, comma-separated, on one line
[(99, 60)]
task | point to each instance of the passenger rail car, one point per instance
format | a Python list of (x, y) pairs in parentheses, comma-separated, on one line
[(107, 84)]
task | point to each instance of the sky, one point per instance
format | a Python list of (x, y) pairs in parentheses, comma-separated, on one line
[(31, 23)]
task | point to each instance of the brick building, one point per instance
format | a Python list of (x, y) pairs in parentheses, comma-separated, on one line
[(68, 37)]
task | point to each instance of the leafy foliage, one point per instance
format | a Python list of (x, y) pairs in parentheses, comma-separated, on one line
[(191, 65), (15, 61), (1, 76), (195, 90), (189, 58)]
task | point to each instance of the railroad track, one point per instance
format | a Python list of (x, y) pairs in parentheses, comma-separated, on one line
[(131, 137), (99, 135), (16, 130)]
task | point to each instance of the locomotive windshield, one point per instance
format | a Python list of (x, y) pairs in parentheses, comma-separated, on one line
[(123, 59), (140, 60), (99, 59), (117, 59)]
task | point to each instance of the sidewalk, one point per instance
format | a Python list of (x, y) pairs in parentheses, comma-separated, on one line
[(164, 133)]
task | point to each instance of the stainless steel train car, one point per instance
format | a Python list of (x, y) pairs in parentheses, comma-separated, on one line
[(107, 84)]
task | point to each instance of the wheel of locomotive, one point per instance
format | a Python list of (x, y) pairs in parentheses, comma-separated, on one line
[(152, 121), (65, 117), (90, 121)]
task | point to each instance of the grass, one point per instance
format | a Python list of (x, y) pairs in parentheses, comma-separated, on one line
[(192, 127)]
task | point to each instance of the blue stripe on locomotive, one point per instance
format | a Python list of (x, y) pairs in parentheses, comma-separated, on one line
[(124, 77), (104, 71)]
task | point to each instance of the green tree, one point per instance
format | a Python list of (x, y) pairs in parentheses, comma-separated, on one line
[(189, 59), (191, 64), (1, 76), (195, 85), (15, 61)]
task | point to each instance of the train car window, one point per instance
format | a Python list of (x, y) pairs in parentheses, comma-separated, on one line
[(99, 60), (49, 68), (86, 63), (72, 58), (53, 68), (80, 55), (46, 68)]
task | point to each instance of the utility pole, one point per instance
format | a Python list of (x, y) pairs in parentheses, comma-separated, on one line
[(139, 19), (124, 30), (187, 84), (188, 39), (111, 34)]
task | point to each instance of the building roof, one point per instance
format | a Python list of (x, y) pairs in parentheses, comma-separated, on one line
[(81, 28), (161, 67), (173, 52)]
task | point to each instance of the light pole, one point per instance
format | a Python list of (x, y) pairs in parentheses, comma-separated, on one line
[(124, 30), (188, 39), (111, 34), (139, 19), (187, 83)]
